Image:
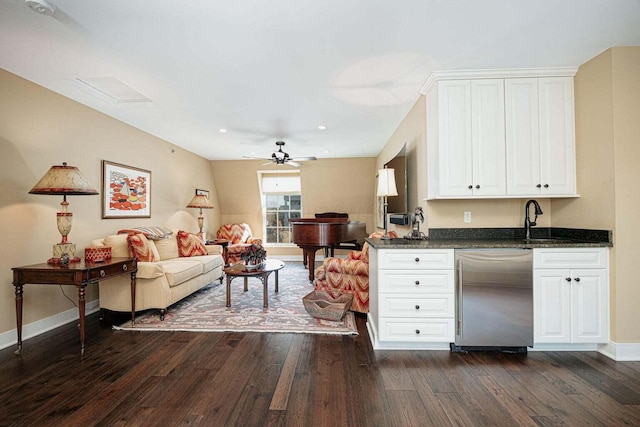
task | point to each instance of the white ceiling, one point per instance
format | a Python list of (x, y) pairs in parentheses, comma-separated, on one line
[(277, 69)]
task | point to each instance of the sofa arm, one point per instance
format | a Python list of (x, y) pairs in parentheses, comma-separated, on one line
[(149, 270), (346, 266), (213, 249), (254, 240)]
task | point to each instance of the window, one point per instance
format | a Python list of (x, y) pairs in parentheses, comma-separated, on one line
[(281, 200)]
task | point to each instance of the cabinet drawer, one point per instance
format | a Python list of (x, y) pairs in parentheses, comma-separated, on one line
[(422, 330), (416, 259), (411, 281), (110, 270), (409, 306), (571, 258)]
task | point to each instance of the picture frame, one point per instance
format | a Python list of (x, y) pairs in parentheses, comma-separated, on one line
[(126, 191), (204, 192)]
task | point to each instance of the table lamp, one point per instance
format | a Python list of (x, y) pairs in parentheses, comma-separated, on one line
[(200, 201), (63, 181), (386, 187)]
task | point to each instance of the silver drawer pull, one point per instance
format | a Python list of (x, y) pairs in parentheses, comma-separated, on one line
[(102, 273), (417, 331), (124, 267)]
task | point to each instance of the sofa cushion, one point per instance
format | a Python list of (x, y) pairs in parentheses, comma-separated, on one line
[(119, 246), (142, 248), (209, 262), (180, 270), (190, 245), (168, 248)]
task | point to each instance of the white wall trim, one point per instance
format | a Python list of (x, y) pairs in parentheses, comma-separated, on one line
[(41, 326), (621, 352)]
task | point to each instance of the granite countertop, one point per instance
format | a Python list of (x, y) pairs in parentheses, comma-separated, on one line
[(472, 238)]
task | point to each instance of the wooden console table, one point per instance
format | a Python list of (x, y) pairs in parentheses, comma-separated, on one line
[(79, 274)]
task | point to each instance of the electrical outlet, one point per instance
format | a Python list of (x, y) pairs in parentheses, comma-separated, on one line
[(467, 217)]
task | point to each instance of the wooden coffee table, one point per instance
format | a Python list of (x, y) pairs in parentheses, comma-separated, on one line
[(239, 270)]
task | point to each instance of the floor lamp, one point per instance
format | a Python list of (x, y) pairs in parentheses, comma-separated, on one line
[(386, 187)]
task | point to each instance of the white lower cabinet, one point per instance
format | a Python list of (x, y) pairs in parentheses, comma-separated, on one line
[(411, 298), (571, 295)]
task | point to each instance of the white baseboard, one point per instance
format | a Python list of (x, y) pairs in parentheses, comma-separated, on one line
[(621, 352), (38, 327)]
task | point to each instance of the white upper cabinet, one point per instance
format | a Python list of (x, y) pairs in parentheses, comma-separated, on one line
[(472, 145), (510, 136), (540, 136)]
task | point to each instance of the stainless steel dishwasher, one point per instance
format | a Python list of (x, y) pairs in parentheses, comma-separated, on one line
[(494, 299)]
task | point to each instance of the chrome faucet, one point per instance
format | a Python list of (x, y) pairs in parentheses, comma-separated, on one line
[(527, 222)]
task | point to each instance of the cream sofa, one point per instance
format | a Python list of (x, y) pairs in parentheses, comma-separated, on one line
[(162, 283)]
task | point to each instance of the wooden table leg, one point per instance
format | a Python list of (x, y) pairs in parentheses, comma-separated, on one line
[(228, 290), (19, 315), (246, 285), (265, 290), (81, 309), (133, 298), (276, 280)]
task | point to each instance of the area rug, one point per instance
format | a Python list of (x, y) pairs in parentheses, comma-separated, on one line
[(205, 310)]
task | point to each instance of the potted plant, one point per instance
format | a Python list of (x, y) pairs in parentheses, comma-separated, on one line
[(254, 256)]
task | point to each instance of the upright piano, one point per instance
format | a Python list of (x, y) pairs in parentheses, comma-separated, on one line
[(311, 234)]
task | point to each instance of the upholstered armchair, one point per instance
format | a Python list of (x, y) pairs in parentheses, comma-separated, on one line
[(350, 275), (239, 237)]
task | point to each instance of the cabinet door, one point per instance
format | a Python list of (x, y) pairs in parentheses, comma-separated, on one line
[(455, 152), (488, 141), (589, 306), (551, 306), (557, 135), (522, 136)]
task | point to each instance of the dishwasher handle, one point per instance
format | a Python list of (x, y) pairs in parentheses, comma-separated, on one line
[(459, 301)]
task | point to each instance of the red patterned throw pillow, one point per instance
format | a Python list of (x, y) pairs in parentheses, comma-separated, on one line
[(190, 244), (139, 247)]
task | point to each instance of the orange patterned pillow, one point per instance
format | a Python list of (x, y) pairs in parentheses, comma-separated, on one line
[(140, 248), (190, 244)]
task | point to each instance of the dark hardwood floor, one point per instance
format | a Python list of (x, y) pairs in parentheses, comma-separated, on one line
[(253, 379)]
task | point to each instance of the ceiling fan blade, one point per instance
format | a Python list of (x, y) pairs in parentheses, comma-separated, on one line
[(293, 163), (302, 159), (265, 163), (255, 157)]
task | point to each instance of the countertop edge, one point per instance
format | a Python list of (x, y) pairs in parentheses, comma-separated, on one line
[(401, 243)]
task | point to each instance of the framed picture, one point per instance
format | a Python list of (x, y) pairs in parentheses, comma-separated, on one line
[(126, 191), (205, 192)]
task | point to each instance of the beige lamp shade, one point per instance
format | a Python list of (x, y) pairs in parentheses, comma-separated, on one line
[(200, 201), (63, 180), (387, 182)]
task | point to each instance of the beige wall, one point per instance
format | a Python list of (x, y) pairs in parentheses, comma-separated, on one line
[(328, 185), (39, 128), (608, 154)]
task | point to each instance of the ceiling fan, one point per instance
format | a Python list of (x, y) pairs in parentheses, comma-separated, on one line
[(280, 157)]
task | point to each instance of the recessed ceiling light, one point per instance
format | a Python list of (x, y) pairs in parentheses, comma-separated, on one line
[(222, 130), (322, 127), (326, 151)]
